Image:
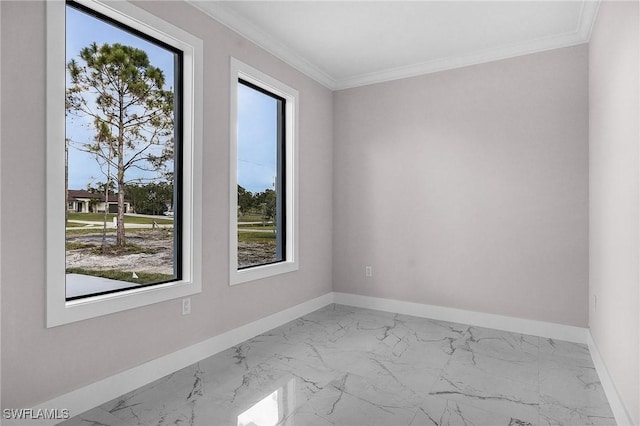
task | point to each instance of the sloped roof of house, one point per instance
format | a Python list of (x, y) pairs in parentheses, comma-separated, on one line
[(75, 194)]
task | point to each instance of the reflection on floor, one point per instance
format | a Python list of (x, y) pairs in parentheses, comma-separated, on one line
[(350, 366)]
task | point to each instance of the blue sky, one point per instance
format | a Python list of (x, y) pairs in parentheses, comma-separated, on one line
[(257, 126), (256, 111)]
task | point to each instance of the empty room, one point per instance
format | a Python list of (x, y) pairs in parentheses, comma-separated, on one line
[(260, 213)]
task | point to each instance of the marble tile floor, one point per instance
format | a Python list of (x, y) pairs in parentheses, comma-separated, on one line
[(347, 366)]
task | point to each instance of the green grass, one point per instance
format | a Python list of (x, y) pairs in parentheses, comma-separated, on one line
[(73, 245), (257, 237), (93, 230), (257, 225), (75, 225), (250, 218), (97, 230), (99, 217), (143, 277)]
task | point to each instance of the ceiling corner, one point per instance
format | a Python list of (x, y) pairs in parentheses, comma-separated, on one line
[(588, 18)]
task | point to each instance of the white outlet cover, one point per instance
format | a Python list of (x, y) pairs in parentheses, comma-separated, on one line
[(186, 306)]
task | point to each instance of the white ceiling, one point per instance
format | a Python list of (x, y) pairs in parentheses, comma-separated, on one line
[(345, 44)]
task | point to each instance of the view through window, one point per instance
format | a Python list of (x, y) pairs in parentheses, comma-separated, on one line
[(261, 144), (122, 156)]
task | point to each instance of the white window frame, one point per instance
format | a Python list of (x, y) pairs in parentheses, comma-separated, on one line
[(60, 311), (240, 70)]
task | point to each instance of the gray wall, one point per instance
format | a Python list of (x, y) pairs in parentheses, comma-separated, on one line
[(39, 363), (613, 196), (468, 188)]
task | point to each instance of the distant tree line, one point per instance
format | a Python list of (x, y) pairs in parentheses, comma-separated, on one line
[(151, 198), (262, 203)]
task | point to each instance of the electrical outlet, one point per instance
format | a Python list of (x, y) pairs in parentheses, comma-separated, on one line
[(186, 306), (368, 271)]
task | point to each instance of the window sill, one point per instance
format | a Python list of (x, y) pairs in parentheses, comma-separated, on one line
[(90, 307), (260, 272)]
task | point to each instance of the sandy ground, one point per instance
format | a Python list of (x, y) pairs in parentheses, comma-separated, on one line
[(159, 262), (255, 253)]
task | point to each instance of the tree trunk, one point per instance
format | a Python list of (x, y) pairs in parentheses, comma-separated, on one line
[(120, 236), (106, 206)]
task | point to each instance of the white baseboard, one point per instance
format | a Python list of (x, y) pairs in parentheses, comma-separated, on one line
[(480, 319), (90, 396), (98, 393), (615, 402)]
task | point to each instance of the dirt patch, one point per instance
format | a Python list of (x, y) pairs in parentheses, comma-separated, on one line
[(84, 252), (255, 253), (156, 255)]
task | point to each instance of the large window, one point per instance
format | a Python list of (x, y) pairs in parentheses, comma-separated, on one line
[(123, 118), (263, 175), (123, 158)]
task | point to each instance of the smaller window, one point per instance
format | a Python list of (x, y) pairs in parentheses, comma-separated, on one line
[(263, 175), (261, 195)]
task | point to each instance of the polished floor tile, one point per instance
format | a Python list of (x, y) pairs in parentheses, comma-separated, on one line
[(349, 366)]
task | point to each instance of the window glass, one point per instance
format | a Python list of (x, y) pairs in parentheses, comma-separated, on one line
[(260, 167), (122, 155), (263, 175)]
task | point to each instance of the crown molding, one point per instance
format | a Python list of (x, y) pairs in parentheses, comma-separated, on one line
[(588, 18), (453, 62), (247, 29)]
